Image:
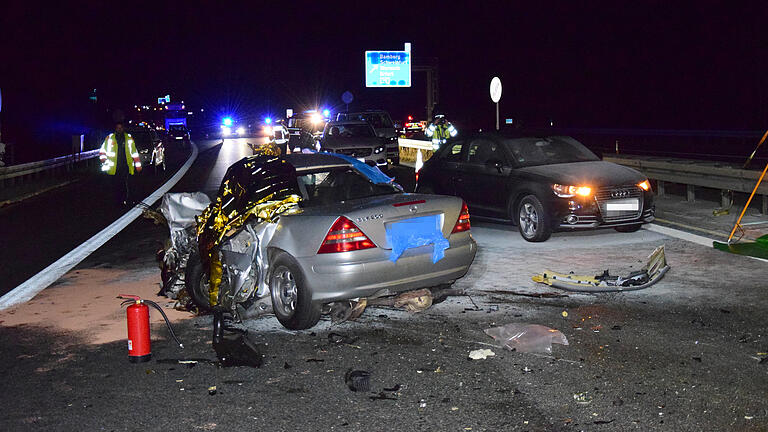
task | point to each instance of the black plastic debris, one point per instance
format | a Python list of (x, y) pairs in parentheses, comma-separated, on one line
[(240, 351), (383, 396), (339, 339), (396, 388), (358, 380)]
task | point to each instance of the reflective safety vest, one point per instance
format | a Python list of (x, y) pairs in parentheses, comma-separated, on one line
[(440, 133), (108, 154)]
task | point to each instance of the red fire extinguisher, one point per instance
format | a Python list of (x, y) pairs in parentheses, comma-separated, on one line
[(139, 344)]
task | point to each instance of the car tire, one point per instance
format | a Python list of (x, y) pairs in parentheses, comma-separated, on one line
[(532, 222), (195, 281), (291, 299), (628, 228)]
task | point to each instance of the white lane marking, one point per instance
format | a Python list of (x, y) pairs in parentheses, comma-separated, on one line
[(682, 235), (27, 290)]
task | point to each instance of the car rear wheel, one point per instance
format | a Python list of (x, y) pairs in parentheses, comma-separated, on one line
[(627, 228), (291, 300), (196, 282), (532, 222)]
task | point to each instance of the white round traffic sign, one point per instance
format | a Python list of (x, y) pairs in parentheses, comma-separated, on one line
[(495, 89)]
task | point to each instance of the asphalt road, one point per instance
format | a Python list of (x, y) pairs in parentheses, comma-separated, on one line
[(683, 355)]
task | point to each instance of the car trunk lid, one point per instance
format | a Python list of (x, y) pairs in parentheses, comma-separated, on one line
[(374, 214)]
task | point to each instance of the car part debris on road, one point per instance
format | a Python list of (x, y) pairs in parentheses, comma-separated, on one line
[(481, 354), (655, 268), (527, 337), (358, 380), (239, 351)]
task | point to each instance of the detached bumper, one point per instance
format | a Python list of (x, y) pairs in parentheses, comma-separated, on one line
[(364, 273)]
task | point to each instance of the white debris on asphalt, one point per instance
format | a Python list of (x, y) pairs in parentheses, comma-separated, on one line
[(481, 354)]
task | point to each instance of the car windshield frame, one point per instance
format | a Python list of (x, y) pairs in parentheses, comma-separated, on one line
[(314, 196), (526, 152)]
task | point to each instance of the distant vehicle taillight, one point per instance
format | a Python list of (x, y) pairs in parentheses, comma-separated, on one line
[(345, 236), (462, 224)]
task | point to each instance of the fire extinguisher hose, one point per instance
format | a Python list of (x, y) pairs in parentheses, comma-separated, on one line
[(165, 317)]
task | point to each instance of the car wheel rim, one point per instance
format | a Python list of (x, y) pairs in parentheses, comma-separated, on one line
[(284, 291), (529, 220)]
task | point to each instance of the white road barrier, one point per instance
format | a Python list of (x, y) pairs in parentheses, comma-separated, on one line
[(27, 290)]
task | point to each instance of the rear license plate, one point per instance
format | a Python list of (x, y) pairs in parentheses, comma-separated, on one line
[(631, 204)]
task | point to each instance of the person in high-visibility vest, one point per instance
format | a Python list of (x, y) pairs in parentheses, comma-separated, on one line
[(119, 159), (440, 130)]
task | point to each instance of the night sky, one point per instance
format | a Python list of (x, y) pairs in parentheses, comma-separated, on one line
[(582, 64)]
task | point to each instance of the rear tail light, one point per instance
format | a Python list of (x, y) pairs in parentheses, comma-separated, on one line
[(417, 177), (344, 236), (462, 224)]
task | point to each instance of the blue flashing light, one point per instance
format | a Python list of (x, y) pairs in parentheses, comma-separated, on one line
[(326, 113), (227, 121), (267, 120)]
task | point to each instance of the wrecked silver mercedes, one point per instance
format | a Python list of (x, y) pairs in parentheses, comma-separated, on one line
[(311, 232)]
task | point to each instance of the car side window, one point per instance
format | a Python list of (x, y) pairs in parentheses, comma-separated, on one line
[(453, 153), (482, 151)]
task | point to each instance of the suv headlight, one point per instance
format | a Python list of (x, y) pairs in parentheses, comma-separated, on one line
[(378, 150), (566, 191)]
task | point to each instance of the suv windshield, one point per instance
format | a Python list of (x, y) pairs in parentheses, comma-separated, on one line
[(545, 151), (377, 119), (336, 185), (350, 130)]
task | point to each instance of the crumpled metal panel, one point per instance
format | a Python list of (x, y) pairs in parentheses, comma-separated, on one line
[(261, 187), (180, 209)]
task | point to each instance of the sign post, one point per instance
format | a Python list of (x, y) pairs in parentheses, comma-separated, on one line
[(347, 98), (496, 96)]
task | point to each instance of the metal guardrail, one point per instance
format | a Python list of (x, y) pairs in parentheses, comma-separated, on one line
[(22, 170), (696, 173)]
